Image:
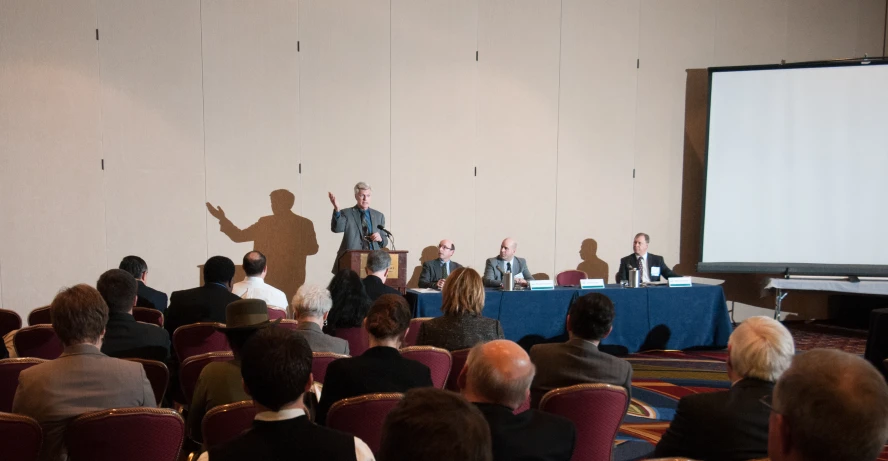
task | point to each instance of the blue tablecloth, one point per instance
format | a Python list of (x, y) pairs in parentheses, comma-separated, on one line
[(647, 318)]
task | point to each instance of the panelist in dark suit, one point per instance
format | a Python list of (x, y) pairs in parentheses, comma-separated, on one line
[(124, 336), (381, 368), (733, 425), (360, 224), (206, 303), (378, 264), (436, 271), (651, 266), (506, 262), (148, 297)]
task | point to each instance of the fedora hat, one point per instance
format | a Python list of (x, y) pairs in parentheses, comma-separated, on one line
[(246, 314)]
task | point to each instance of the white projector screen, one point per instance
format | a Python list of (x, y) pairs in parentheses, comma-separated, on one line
[(797, 169)]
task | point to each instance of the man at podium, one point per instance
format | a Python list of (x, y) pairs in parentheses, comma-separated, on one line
[(359, 224)]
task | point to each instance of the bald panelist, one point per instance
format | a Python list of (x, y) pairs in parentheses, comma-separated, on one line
[(506, 262), (434, 272)]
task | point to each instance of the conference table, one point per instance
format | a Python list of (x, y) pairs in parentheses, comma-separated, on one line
[(656, 317)]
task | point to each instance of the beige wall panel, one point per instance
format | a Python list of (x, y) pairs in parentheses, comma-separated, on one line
[(433, 128), (675, 35), (517, 129), (251, 116), (52, 226), (596, 134), (821, 29), (152, 101), (870, 28), (750, 32), (344, 112)]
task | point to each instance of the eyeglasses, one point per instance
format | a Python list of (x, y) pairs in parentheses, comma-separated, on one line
[(768, 401)]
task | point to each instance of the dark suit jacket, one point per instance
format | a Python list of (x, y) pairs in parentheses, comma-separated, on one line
[(728, 425), (631, 262), (201, 304), (432, 272), (494, 268), (375, 288), (288, 439), (455, 332), (127, 338), (528, 436), (350, 222), (151, 298), (379, 369), (576, 361)]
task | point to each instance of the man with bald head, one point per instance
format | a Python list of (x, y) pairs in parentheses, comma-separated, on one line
[(506, 262), (496, 378), (436, 271), (254, 287)]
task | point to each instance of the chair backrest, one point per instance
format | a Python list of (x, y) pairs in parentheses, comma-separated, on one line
[(199, 338), (289, 324), (357, 337), (223, 423), (140, 434), (459, 361), (190, 370), (274, 314), (363, 416), (571, 277), (38, 341), (9, 321), (9, 375), (320, 361), (413, 331), (438, 360), (40, 316), (148, 315), (596, 410), (158, 375), (20, 437)]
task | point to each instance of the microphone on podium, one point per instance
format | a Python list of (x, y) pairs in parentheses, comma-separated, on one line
[(383, 229)]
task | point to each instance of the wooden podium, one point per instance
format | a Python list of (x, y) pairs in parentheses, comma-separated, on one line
[(356, 260)]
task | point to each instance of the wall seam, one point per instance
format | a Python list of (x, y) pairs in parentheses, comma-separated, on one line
[(203, 126), (558, 138)]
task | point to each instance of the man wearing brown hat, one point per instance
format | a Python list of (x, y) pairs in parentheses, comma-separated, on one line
[(220, 382)]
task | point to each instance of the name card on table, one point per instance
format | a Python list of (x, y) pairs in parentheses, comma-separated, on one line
[(541, 284), (680, 282), (591, 283)]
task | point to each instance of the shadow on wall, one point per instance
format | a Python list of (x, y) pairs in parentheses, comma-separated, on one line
[(428, 254), (592, 265), (285, 238)]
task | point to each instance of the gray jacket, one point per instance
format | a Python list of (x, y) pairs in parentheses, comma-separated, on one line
[(319, 341), (576, 361), (432, 272), (495, 267), (350, 221)]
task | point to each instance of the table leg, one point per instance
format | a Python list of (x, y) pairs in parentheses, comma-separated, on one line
[(779, 302)]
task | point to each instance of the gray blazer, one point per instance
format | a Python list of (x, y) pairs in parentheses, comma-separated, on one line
[(576, 361), (319, 341), (455, 332), (81, 380), (495, 267), (350, 222), (432, 272)]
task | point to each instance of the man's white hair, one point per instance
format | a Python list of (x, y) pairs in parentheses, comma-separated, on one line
[(761, 348), (312, 301), (362, 186)]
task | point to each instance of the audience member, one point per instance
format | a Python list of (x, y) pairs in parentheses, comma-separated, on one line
[(311, 306), (494, 268), (276, 372), (462, 325), (828, 405), (82, 379), (350, 302), (148, 297), (578, 360), (435, 272), (124, 336), (378, 264), (733, 425), (206, 303), (254, 286), (496, 378), (381, 368), (434, 425)]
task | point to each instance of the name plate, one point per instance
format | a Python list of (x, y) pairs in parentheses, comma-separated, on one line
[(541, 284), (680, 282), (591, 283)]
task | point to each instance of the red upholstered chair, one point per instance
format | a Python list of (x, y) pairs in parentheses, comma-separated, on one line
[(571, 277), (438, 360), (363, 416), (199, 338), (596, 410), (9, 321), (413, 332), (134, 434), (38, 341), (20, 437), (190, 370), (320, 361), (459, 361), (9, 374), (148, 315), (524, 406), (274, 314), (357, 337), (225, 422), (158, 375), (40, 316), (289, 324)]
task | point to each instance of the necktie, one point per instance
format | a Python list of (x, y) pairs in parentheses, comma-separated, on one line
[(444, 269), (508, 267), (641, 268)]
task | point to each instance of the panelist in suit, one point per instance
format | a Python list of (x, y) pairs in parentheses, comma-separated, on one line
[(436, 271), (732, 425), (360, 224), (651, 266), (378, 264), (506, 262), (148, 297), (206, 303), (124, 336)]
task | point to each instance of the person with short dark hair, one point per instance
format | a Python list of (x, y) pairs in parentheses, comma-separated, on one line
[(206, 303), (82, 379), (148, 297), (350, 301), (254, 286), (435, 425), (124, 336), (381, 368), (650, 266), (578, 360), (378, 264)]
